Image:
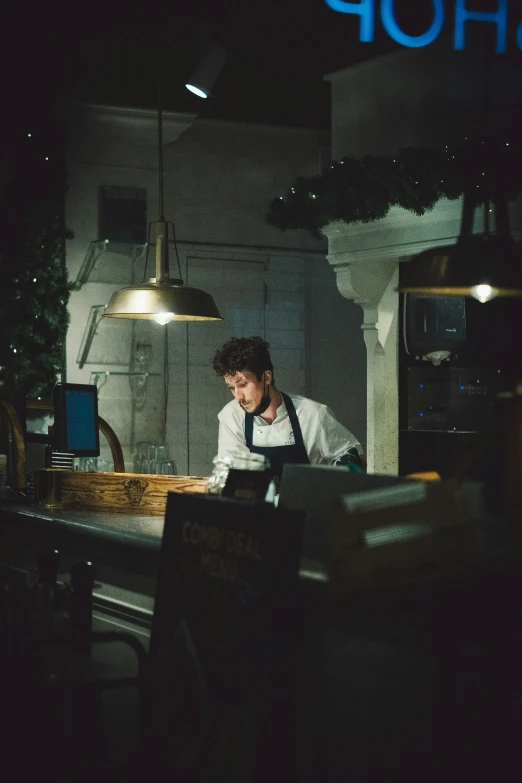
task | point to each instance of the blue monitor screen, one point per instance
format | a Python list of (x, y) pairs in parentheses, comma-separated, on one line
[(81, 420)]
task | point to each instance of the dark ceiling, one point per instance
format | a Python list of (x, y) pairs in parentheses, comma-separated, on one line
[(278, 53)]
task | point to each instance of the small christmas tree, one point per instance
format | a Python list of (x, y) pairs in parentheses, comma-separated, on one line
[(34, 290)]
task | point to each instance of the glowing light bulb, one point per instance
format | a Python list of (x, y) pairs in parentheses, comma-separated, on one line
[(163, 318), (483, 292), (196, 91)]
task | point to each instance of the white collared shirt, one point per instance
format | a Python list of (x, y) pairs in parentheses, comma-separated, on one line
[(324, 437)]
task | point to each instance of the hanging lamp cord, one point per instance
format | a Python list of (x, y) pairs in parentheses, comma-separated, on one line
[(160, 140)]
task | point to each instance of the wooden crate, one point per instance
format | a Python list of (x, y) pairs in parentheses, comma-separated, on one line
[(127, 493), (377, 540)]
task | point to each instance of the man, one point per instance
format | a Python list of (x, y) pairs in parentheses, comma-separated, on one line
[(263, 420)]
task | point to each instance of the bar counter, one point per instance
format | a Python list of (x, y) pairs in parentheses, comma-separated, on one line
[(123, 547), (421, 678)]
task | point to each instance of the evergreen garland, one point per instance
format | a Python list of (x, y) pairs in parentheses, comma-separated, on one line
[(34, 290), (353, 190)]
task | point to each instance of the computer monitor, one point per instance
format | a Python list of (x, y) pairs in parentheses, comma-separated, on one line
[(76, 419)]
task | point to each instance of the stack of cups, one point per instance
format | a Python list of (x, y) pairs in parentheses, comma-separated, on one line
[(153, 458), (93, 464)]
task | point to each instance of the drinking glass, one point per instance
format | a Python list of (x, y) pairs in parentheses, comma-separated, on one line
[(142, 448), (162, 452)]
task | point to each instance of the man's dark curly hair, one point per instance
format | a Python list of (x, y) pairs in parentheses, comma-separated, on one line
[(243, 353)]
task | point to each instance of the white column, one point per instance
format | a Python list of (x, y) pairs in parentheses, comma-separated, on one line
[(372, 284), (365, 258)]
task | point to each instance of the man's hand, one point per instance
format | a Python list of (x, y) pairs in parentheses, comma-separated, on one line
[(352, 460)]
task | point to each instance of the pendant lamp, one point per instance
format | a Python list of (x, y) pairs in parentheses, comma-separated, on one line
[(162, 298), (483, 266)]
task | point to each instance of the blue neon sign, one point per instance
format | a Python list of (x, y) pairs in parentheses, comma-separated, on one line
[(365, 10)]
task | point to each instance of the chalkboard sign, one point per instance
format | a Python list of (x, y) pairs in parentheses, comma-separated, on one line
[(247, 484), (229, 572), (220, 701)]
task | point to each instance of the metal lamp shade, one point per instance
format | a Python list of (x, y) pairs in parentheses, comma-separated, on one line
[(485, 260), (151, 300), (211, 61)]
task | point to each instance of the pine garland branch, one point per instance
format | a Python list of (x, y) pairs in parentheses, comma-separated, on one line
[(364, 190)]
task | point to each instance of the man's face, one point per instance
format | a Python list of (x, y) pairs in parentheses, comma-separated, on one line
[(247, 389)]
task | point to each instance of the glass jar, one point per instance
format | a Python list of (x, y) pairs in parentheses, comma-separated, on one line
[(222, 465)]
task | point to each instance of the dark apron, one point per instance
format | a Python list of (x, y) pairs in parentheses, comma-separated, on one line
[(278, 455)]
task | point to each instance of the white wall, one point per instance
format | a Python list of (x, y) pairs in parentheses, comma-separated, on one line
[(219, 179), (422, 97)]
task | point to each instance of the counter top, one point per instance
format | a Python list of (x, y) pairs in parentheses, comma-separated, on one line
[(141, 530), (125, 548), (130, 542)]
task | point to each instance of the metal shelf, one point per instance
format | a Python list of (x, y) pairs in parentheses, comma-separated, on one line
[(139, 379), (112, 334), (116, 372), (88, 333), (121, 258)]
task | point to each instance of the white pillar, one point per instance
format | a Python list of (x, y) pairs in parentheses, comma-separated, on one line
[(365, 257), (372, 284)]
